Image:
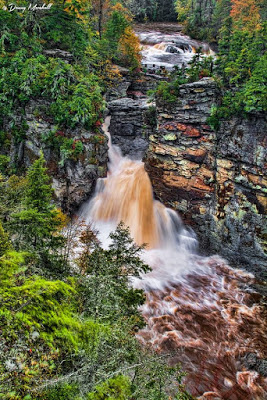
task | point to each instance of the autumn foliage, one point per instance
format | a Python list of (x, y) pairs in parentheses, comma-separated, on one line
[(129, 47), (246, 14)]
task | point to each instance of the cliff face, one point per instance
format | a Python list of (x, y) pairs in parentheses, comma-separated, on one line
[(73, 176), (132, 121), (133, 118), (215, 180)]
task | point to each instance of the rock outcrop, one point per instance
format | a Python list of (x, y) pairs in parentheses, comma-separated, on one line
[(73, 178), (131, 124), (215, 180)]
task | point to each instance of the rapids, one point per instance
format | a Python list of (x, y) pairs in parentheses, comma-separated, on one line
[(199, 310), (163, 46)]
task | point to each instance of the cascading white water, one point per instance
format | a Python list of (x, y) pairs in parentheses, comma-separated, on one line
[(160, 49), (197, 308)]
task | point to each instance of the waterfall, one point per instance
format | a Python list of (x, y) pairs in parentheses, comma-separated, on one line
[(198, 309)]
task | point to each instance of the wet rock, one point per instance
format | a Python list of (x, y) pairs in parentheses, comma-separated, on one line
[(121, 83), (254, 363), (173, 49)]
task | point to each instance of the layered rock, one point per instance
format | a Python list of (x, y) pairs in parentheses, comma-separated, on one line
[(215, 180), (120, 83), (132, 121)]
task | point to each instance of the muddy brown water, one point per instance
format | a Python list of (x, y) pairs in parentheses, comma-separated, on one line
[(199, 310)]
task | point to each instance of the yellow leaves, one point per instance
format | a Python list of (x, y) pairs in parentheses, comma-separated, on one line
[(79, 8), (129, 46), (119, 8), (112, 73), (61, 219)]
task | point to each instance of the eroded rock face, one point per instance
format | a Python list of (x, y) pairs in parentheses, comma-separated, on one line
[(74, 179), (215, 180), (132, 121)]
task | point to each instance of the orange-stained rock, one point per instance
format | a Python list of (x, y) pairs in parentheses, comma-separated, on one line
[(181, 127), (203, 139), (206, 127), (172, 126), (187, 130), (169, 127), (224, 174), (171, 179), (192, 132), (196, 155), (257, 180), (165, 149), (263, 202), (196, 152), (199, 184), (205, 173), (224, 163)]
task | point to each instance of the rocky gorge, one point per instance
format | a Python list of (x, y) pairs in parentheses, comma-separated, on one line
[(215, 179), (73, 178)]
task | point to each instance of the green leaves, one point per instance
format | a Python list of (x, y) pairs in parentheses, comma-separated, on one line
[(38, 193), (76, 98), (83, 106), (241, 64)]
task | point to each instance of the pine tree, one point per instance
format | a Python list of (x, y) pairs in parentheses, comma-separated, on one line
[(37, 226), (107, 274), (38, 190)]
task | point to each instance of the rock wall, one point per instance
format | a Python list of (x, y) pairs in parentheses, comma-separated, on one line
[(215, 180), (133, 116), (73, 180), (131, 124)]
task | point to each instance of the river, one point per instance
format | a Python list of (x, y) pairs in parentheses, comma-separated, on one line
[(199, 310), (163, 46)]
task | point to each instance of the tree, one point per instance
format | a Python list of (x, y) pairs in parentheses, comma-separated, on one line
[(38, 191), (100, 9), (254, 90), (108, 295), (182, 8), (12, 192), (117, 388), (37, 226), (246, 14), (129, 48), (40, 328), (4, 241), (153, 10)]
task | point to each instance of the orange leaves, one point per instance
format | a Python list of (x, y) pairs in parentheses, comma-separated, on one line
[(246, 14)]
